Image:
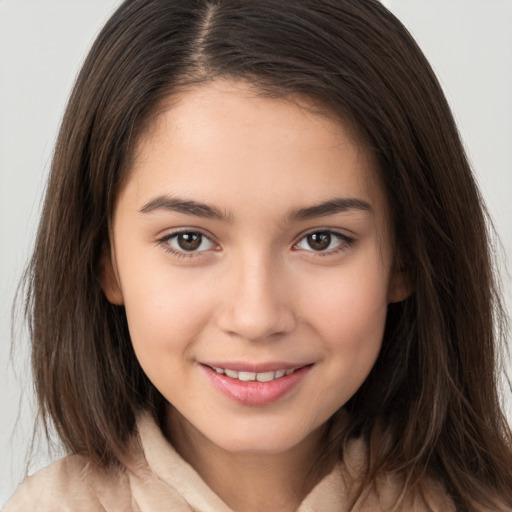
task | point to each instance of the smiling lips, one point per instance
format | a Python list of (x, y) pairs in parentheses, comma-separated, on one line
[(254, 376), (255, 387)]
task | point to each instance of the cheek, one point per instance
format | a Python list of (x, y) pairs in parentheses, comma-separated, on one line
[(349, 314), (351, 326), (165, 311), (352, 301)]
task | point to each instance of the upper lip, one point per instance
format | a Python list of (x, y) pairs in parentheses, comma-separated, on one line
[(239, 366)]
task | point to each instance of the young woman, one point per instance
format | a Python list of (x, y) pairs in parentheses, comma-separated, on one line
[(262, 277)]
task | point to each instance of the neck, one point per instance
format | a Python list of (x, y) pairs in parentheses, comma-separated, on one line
[(249, 482)]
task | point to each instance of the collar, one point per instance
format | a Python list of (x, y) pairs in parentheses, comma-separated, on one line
[(329, 495)]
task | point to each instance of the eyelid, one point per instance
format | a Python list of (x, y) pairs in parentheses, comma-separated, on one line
[(345, 241), (164, 239)]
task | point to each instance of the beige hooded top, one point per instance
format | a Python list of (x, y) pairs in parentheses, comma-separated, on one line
[(163, 481)]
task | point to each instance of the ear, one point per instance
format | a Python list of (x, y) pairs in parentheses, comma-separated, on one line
[(400, 286), (108, 279)]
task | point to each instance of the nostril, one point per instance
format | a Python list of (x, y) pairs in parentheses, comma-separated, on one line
[(257, 325)]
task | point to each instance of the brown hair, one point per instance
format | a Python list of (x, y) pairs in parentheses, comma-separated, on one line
[(434, 387)]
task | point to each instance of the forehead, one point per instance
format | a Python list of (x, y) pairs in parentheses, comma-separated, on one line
[(226, 137)]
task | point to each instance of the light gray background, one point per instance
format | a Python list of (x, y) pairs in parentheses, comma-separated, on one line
[(42, 43)]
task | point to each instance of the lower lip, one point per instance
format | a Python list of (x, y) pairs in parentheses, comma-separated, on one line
[(254, 392)]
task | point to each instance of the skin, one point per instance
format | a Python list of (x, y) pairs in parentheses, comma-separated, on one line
[(255, 290)]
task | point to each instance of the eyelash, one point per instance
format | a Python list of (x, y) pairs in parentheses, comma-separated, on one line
[(165, 243), (345, 243)]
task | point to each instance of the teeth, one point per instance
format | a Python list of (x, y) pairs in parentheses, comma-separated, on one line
[(266, 376), (246, 376), (253, 376)]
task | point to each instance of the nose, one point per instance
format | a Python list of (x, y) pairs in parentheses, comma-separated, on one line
[(257, 303)]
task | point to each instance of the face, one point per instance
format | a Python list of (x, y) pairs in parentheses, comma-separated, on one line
[(251, 251)]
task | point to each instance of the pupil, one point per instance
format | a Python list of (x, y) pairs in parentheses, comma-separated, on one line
[(319, 241), (189, 241)]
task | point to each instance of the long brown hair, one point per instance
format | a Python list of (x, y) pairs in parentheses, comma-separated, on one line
[(433, 391)]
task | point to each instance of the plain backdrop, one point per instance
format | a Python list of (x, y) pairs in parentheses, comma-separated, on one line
[(42, 43)]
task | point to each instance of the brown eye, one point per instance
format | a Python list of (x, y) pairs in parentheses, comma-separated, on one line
[(328, 242), (188, 242), (319, 241)]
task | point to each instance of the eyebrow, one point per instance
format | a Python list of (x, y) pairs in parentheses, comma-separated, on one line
[(188, 207), (198, 209), (330, 207)]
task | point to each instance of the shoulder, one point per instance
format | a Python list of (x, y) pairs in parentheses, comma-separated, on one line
[(72, 484), (386, 492)]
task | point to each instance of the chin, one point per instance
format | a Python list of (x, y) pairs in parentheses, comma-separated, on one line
[(263, 440), (264, 444)]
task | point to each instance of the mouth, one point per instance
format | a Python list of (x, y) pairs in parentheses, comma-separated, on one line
[(255, 385), (248, 376)]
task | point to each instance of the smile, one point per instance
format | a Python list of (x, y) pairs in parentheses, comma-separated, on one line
[(255, 388), (245, 376)]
